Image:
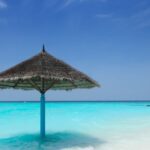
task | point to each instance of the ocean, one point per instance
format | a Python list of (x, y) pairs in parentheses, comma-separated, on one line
[(76, 126)]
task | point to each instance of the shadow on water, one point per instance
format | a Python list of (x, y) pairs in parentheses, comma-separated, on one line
[(55, 141)]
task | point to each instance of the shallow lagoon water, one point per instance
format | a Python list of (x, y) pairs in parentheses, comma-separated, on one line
[(76, 126)]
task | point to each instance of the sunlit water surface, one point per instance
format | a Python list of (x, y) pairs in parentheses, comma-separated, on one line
[(76, 126)]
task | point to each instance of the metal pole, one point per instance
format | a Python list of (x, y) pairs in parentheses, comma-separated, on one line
[(42, 133)]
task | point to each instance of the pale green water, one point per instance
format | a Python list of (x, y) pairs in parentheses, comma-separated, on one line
[(76, 126)]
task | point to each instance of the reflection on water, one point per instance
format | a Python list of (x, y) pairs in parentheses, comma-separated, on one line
[(55, 141)]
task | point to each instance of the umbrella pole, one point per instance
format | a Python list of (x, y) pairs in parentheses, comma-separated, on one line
[(42, 130)]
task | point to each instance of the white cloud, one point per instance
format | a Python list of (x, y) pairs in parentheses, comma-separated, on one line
[(142, 18), (104, 16), (103, 1), (65, 4), (142, 13), (136, 20), (68, 2), (144, 24), (3, 4)]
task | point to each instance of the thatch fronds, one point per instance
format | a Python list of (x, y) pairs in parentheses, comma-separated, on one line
[(44, 68)]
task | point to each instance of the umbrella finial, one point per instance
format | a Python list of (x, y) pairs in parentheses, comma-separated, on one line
[(43, 50)]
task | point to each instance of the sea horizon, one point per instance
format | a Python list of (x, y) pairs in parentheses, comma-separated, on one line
[(69, 101)]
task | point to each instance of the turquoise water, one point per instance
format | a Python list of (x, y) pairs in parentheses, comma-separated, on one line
[(76, 126)]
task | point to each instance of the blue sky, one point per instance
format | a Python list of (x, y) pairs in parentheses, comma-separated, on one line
[(107, 39)]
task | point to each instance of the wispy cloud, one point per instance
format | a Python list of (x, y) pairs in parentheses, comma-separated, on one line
[(144, 24), (142, 18), (141, 14), (3, 4), (69, 2), (65, 4), (103, 1), (139, 19), (103, 16)]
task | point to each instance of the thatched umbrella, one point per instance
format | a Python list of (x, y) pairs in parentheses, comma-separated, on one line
[(43, 72)]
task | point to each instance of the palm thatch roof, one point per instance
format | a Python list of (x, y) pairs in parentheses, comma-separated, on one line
[(44, 68)]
